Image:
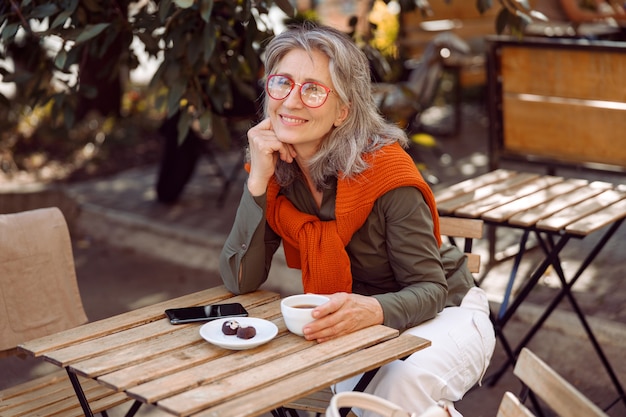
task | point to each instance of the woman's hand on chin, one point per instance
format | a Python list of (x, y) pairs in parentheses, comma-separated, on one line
[(265, 149)]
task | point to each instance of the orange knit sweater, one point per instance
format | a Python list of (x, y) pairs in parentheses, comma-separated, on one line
[(318, 247)]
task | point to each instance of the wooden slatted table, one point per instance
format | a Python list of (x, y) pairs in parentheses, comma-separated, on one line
[(142, 355), (555, 210)]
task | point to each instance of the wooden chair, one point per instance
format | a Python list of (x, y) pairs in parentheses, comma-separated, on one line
[(540, 379), (556, 392), (468, 229), (39, 296), (511, 406), (451, 228)]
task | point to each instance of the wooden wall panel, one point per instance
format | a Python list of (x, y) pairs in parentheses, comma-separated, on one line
[(559, 72), (568, 131)]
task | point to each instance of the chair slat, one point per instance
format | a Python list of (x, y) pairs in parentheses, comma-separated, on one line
[(512, 407), (558, 394), (53, 394), (459, 227)]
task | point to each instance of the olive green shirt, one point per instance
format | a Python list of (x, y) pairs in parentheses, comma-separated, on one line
[(394, 256)]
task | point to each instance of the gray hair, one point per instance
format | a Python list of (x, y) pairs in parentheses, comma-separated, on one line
[(365, 129)]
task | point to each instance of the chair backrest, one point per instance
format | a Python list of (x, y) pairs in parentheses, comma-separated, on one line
[(468, 229), (39, 293), (511, 406), (558, 394)]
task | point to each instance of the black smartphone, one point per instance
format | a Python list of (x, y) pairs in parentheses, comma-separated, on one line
[(205, 313)]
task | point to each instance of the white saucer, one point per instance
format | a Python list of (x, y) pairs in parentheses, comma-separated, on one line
[(265, 331)]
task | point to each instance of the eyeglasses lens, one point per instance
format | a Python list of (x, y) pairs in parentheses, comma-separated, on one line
[(279, 87), (311, 94)]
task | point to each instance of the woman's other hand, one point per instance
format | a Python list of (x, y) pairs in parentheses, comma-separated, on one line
[(265, 149), (344, 313)]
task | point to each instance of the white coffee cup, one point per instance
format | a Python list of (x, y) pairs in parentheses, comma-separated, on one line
[(297, 309)]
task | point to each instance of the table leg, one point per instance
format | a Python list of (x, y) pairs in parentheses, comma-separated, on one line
[(566, 287), (552, 251), (504, 316), (516, 263), (84, 402), (284, 412), (78, 389), (133, 409)]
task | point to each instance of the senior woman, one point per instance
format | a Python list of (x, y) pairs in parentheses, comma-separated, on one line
[(329, 178)]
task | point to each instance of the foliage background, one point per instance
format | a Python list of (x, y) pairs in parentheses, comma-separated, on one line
[(75, 113)]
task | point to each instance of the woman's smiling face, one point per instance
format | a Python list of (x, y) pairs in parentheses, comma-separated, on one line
[(292, 121)]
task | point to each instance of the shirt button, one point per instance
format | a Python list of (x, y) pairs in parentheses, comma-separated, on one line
[(244, 246)]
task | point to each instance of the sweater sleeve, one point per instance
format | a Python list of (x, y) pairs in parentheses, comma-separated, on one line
[(414, 258), (247, 254)]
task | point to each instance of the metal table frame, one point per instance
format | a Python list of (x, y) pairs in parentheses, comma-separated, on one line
[(552, 244)]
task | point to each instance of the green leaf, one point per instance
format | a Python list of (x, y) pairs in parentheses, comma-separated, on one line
[(61, 19), (57, 103), (20, 78), (184, 4), (183, 125), (113, 35), (174, 95), (72, 5), (9, 31), (226, 26), (501, 20), (205, 120), (68, 116), (164, 8), (73, 56), (171, 72), (60, 59), (158, 75), (44, 10), (210, 39), (206, 8), (194, 50), (91, 31)]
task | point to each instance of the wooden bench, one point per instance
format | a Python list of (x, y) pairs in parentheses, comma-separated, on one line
[(557, 103), (53, 394), (453, 229)]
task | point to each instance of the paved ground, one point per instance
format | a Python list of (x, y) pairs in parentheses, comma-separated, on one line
[(131, 251)]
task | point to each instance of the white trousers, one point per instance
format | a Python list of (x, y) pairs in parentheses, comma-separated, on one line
[(463, 341)]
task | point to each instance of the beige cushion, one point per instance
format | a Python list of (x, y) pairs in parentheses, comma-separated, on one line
[(39, 294)]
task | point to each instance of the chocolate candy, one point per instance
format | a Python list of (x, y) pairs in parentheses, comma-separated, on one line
[(230, 327), (247, 332)]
